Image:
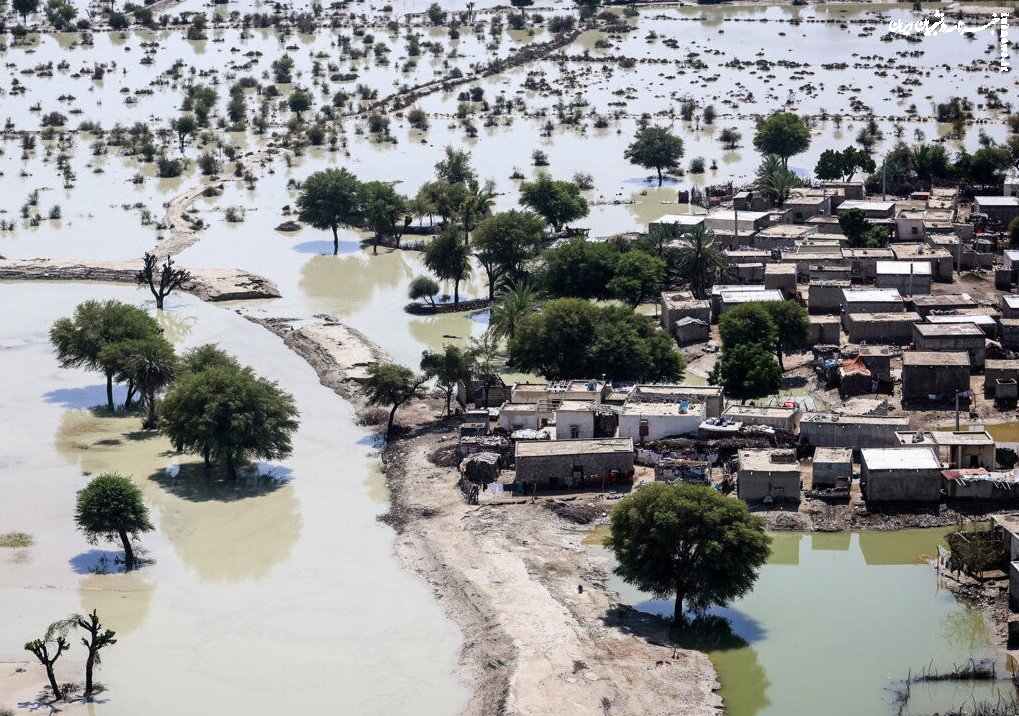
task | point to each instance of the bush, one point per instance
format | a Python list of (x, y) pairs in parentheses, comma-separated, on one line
[(168, 168)]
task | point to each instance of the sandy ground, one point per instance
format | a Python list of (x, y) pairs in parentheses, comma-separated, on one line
[(540, 626), (208, 284)]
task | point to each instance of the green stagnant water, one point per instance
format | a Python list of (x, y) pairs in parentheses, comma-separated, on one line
[(834, 625)]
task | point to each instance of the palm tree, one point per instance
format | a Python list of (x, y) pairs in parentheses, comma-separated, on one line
[(516, 301), (699, 260), (774, 180), (152, 366), (475, 205)]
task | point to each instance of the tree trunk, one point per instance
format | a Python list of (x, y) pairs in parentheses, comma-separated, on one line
[(109, 391), (392, 417), (449, 398), (128, 551), (659, 176), (375, 245), (90, 664), (456, 292), (336, 242), (778, 354), (130, 395), (159, 300), (151, 421), (231, 469), (57, 694), (677, 612)]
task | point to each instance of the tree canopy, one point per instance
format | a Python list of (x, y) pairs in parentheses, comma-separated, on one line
[(860, 232), (655, 148), (687, 541), (449, 258), (503, 242), (383, 210), (558, 202), (148, 364), (447, 367), (111, 507), (747, 371), (329, 199), (783, 134), (842, 165), (389, 384), (571, 337)]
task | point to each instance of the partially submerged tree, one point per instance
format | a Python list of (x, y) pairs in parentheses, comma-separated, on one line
[(503, 242), (383, 210), (391, 385), (47, 650), (655, 148), (110, 507), (80, 339), (423, 287), (448, 258), (329, 199), (687, 541), (448, 367), (558, 202), (98, 638), (148, 364), (784, 134), (185, 125), (163, 279)]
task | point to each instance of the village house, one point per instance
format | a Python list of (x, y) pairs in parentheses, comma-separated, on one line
[(937, 375), (869, 300), (900, 474), (1001, 379), (676, 305), (986, 319), (681, 223), (878, 360), (882, 328), (709, 395), (829, 272), (779, 418), (808, 204), (951, 337), (691, 330), (832, 467), (727, 223), (642, 421), (781, 236), (998, 209), (965, 448), (928, 304), (781, 277), (730, 299), (765, 474), (908, 278), (824, 330), (1009, 328), (850, 431), (1010, 305), (855, 378), (872, 208), (718, 289), (825, 296), (976, 483), (574, 419), (863, 262), (940, 261), (573, 463)]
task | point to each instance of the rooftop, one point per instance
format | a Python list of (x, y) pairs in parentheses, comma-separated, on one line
[(737, 296), (935, 358), (935, 330), (787, 230), (574, 447), (673, 408), (764, 460), (681, 219), (866, 205), (832, 454), (855, 419), (962, 437), (754, 411), (977, 319), (575, 406), (997, 200), (944, 299), (903, 458), (904, 268), (886, 317), (871, 295)]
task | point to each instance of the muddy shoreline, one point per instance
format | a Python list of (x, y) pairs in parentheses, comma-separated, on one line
[(539, 623)]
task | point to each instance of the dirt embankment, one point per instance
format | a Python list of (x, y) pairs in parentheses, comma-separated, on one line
[(541, 629), (207, 284)]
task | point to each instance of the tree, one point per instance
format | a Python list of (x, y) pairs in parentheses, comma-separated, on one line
[(41, 649), (450, 366), (383, 210), (638, 276), (475, 202), (783, 134), (774, 180), (571, 337), (206, 356), (25, 7), (423, 287), (185, 125), (455, 167), (792, 326), (228, 414), (98, 639), (835, 165), (1013, 233), (80, 339), (929, 162), (747, 323), (149, 364), (487, 359), (391, 385), (299, 102), (1012, 146), (161, 280), (558, 202), (110, 507), (699, 260), (747, 371), (503, 242), (689, 541), (329, 199), (579, 268), (448, 258), (730, 138), (859, 231), (516, 301), (655, 148)]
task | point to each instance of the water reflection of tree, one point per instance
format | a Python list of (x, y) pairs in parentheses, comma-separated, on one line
[(744, 680), (965, 629), (176, 326), (353, 279), (122, 600)]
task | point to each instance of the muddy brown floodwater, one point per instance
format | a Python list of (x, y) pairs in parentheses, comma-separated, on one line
[(278, 594)]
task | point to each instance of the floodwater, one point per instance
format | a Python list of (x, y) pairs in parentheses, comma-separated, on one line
[(277, 594), (834, 625)]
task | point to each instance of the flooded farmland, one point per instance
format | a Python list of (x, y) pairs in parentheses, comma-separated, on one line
[(283, 592)]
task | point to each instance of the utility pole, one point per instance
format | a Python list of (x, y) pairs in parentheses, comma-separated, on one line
[(884, 176), (957, 428)]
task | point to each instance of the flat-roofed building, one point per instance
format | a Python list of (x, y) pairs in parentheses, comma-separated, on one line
[(781, 277), (574, 419), (932, 303), (934, 375), (999, 209), (909, 278), (570, 463), (965, 448), (681, 304), (850, 431), (682, 223), (908, 474), (869, 300), (731, 299), (894, 328), (710, 395), (831, 467), (952, 337), (763, 474), (873, 209), (781, 236), (643, 421), (863, 262), (775, 417)]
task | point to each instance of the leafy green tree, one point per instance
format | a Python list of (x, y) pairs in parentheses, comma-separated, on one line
[(558, 202), (329, 199), (784, 134), (747, 323), (792, 326), (503, 242), (448, 258), (842, 165), (774, 180), (80, 339), (299, 102), (185, 125), (111, 507), (730, 138), (383, 209), (579, 268), (391, 385), (637, 277), (699, 260), (208, 355), (655, 148), (516, 301), (747, 371), (25, 7), (149, 364), (689, 541), (455, 167), (423, 287), (572, 337), (487, 359), (450, 366), (229, 415), (930, 163), (1012, 146), (858, 229)]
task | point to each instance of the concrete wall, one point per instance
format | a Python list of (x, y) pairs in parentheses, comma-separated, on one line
[(825, 473), (845, 433), (918, 381), (824, 330), (755, 485), (862, 329), (974, 345), (921, 485), (659, 426), (825, 296), (921, 284), (544, 469), (565, 419)]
